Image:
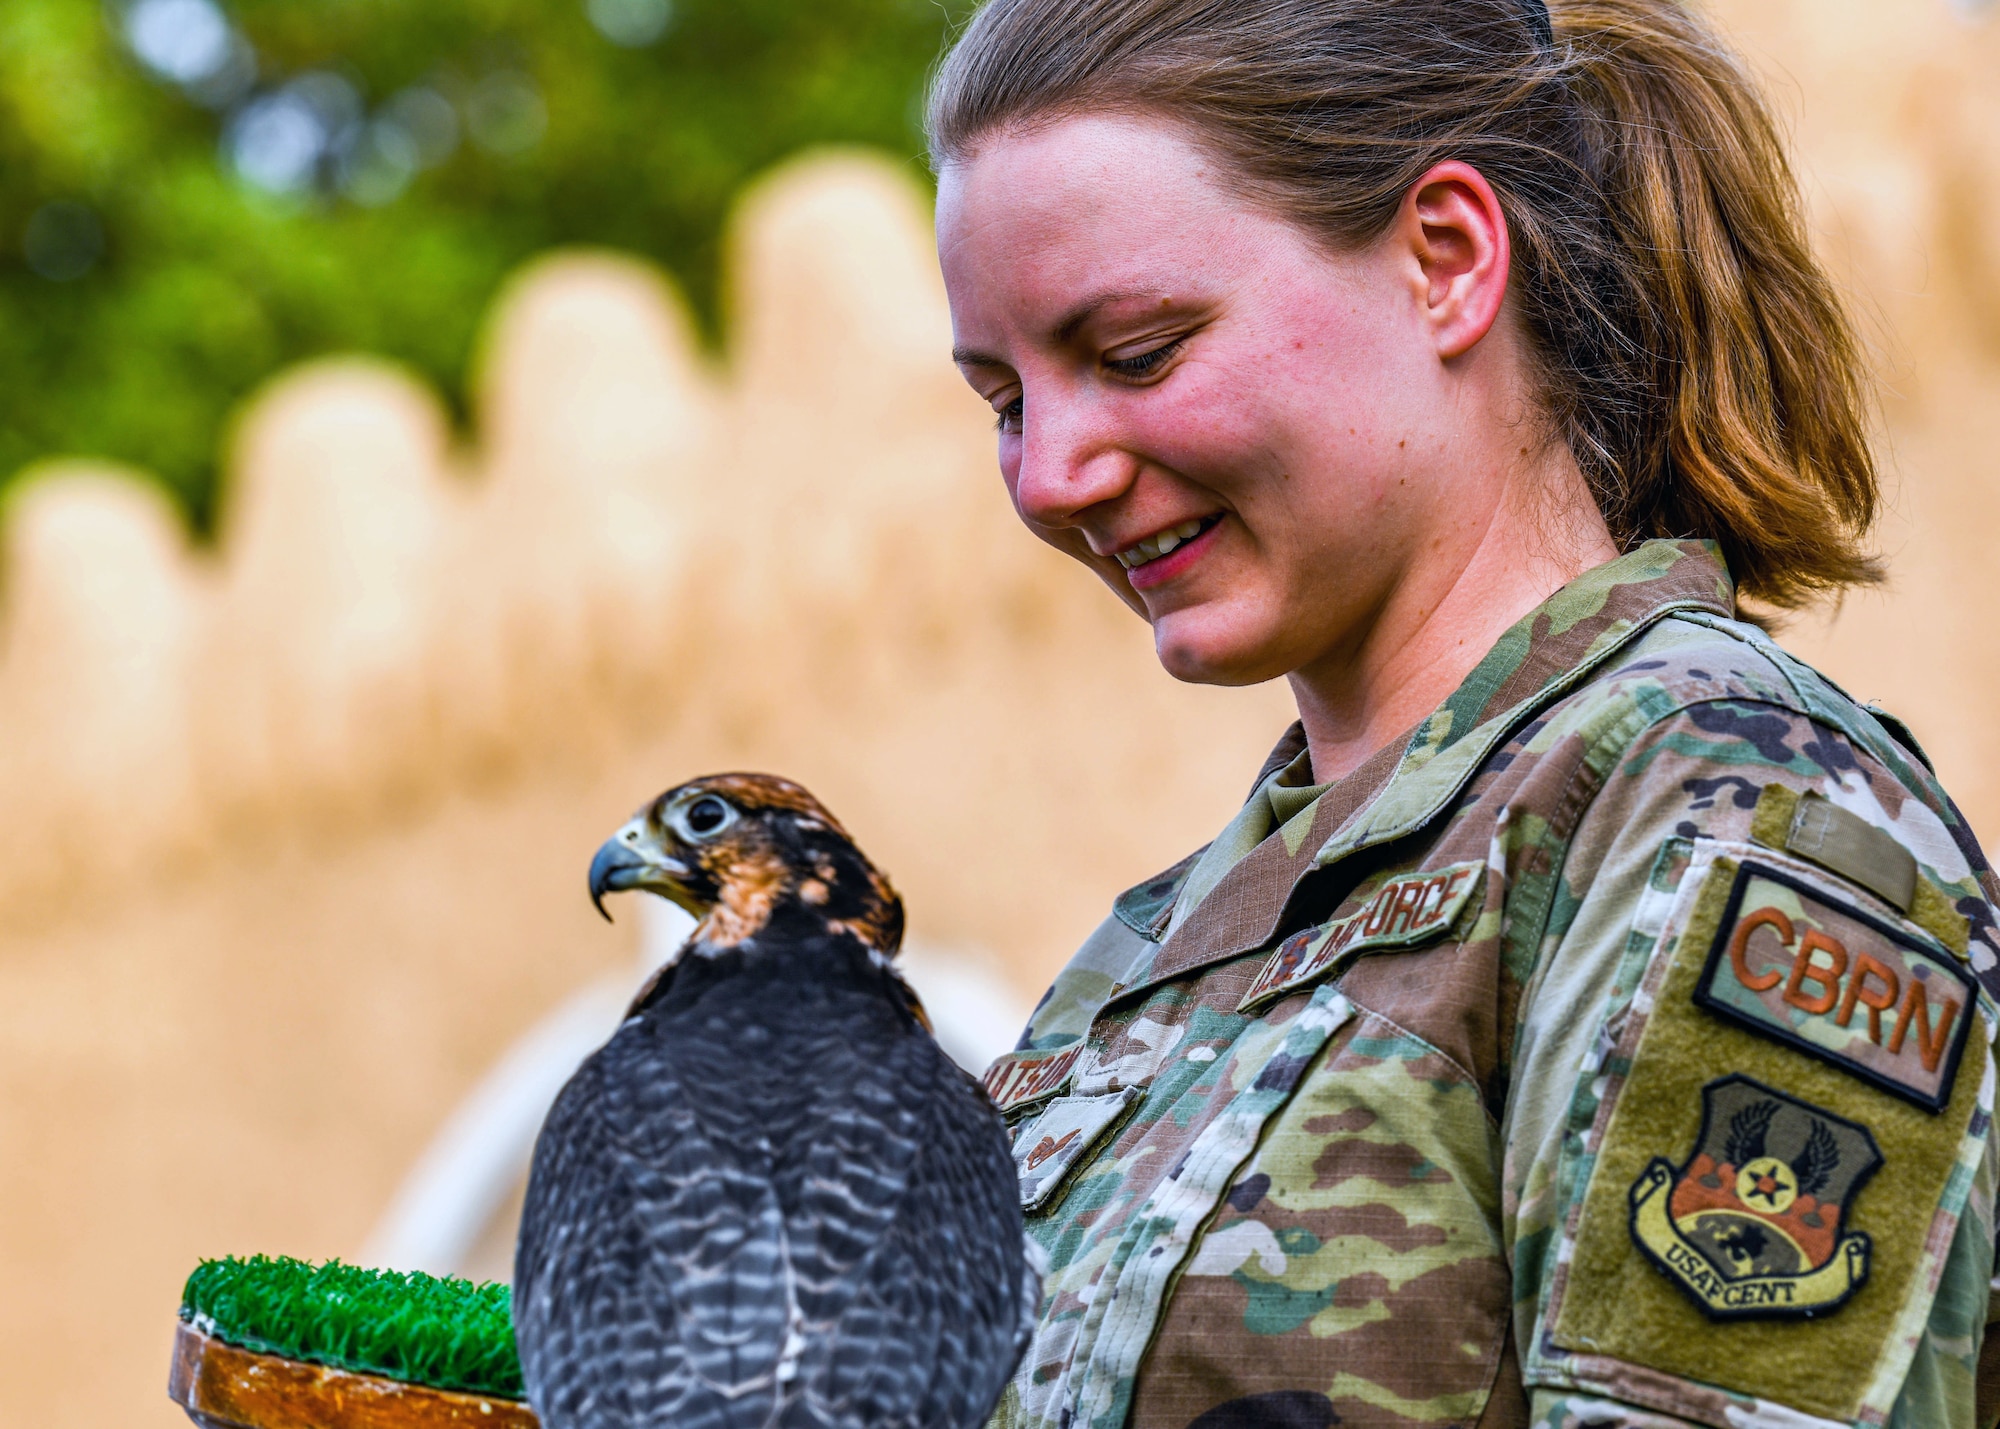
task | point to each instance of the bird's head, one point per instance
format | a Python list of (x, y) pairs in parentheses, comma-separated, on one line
[(737, 851)]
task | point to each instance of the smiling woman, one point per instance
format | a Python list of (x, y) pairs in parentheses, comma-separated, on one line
[(1459, 361), (1308, 408)]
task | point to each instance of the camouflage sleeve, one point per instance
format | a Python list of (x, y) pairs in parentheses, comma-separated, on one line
[(1745, 1183), (1986, 1374)]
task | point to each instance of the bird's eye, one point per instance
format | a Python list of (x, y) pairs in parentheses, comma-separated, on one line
[(706, 815)]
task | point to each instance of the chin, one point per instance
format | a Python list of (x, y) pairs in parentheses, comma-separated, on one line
[(1197, 653)]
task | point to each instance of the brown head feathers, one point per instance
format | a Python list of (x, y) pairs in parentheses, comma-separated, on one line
[(744, 851)]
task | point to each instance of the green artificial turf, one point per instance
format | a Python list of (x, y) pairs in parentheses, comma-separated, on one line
[(448, 1334)]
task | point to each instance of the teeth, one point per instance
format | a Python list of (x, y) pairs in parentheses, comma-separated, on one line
[(1154, 547)]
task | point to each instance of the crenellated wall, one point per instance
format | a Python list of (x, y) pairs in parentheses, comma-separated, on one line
[(807, 547), (296, 824)]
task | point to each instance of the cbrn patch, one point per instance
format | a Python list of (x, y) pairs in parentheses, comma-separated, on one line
[(1752, 1225), (1820, 975)]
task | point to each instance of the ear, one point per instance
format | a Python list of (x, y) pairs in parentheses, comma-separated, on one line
[(1453, 227)]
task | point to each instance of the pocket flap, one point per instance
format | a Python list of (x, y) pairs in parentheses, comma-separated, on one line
[(1045, 1148)]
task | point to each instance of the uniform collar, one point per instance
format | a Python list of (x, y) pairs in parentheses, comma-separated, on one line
[(1146, 908), (1539, 659)]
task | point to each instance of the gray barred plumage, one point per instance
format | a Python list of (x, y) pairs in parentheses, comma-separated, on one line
[(770, 1199)]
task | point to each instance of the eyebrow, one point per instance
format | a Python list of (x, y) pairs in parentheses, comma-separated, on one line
[(1063, 331)]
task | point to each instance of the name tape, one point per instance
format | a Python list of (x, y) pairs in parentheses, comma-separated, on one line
[(1019, 1079)]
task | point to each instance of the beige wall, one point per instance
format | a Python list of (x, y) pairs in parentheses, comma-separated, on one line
[(297, 827), (1897, 105)]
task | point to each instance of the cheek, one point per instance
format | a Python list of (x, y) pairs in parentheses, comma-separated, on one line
[(1258, 439), (1330, 436), (1211, 424)]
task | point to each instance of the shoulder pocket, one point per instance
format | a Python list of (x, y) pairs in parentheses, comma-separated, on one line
[(1781, 1153)]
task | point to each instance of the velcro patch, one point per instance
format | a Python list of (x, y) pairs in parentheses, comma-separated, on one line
[(1019, 1079), (1407, 909), (1700, 1114), (1046, 1147), (1834, 982)]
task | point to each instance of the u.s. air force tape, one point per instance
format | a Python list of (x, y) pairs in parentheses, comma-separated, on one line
[(1404, 910)]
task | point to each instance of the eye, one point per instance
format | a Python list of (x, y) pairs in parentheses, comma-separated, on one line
[(1011, 416), (1146, 363), (706, 816)]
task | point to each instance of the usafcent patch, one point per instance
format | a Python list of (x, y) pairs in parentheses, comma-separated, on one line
[(1751, 1225)]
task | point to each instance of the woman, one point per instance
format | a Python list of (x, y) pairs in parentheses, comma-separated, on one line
[(1587, 1018)]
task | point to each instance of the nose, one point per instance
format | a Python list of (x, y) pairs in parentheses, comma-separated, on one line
[(1068, 460)]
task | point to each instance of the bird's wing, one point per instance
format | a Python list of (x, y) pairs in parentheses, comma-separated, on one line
[(652, 1280), (567, 1295), (928, 1328)]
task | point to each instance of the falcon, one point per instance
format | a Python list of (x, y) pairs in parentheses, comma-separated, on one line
[(770, 1199)]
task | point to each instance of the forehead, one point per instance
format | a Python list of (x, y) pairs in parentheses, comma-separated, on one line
[(1036, 216)]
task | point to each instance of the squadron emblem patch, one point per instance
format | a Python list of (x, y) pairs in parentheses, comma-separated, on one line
[(1752, 1226)]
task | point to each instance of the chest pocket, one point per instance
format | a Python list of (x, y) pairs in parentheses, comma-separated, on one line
[(1116, 1255), (1049, 1143), (1372, 1205), (1126, 1207)]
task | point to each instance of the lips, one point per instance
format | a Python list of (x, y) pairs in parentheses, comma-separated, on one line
[(1163, 543)]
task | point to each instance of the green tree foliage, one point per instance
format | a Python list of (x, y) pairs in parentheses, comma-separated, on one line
[(178, 220)]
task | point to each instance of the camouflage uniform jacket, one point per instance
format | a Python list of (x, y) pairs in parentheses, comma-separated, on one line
[(1616, 1051)]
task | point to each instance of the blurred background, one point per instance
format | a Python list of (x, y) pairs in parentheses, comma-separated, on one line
[(429, 431)]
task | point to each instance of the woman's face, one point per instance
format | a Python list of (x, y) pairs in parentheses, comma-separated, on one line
[(1246, 435)]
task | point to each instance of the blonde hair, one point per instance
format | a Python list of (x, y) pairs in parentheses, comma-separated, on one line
[(1692, 354)]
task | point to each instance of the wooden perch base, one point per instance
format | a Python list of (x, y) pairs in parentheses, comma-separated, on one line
[(223, 1387)]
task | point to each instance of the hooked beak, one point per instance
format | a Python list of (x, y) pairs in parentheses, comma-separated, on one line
[(632, 858)]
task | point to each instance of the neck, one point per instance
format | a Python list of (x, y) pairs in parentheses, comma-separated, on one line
[(787, 922), (1444, 612)]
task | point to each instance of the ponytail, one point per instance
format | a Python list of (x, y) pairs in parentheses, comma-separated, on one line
[(1692, 354), (1763, 441)]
